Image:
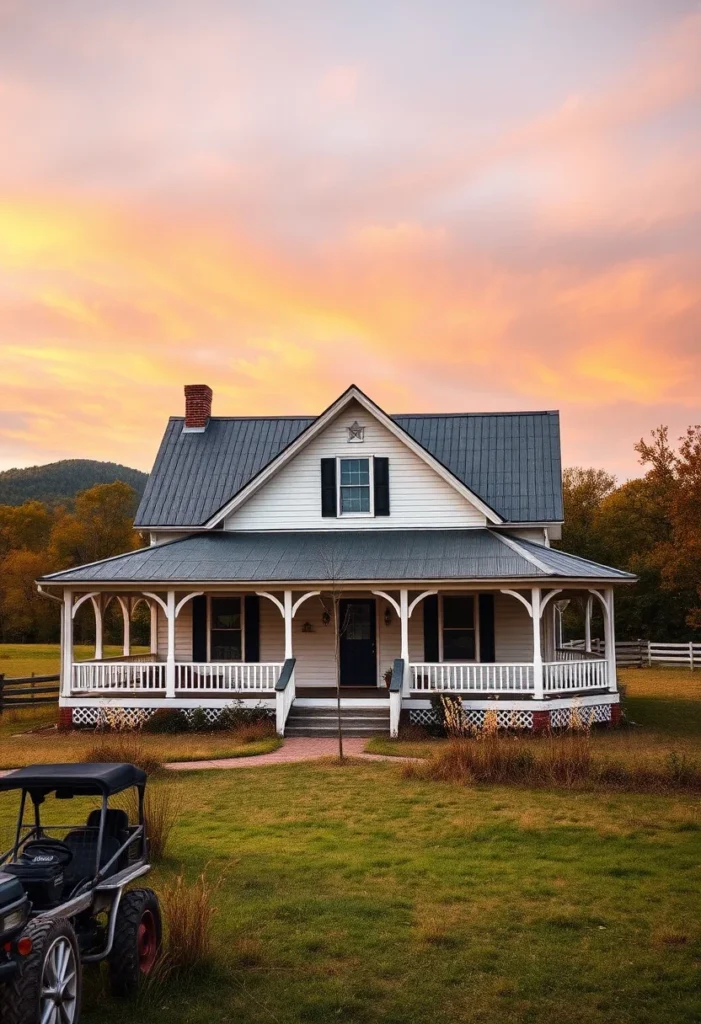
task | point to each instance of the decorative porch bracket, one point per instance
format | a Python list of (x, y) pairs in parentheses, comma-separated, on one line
[(171, 611), (288, 611), (606, 600)]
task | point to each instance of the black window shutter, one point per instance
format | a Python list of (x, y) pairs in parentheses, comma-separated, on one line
[(486, 609), (431, 628), (381, 480), (199, 628), (251, 611), (328, 488)]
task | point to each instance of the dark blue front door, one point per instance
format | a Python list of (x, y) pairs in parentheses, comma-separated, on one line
[(357, 643)]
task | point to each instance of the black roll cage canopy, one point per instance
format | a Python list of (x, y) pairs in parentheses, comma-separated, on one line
[(68, 781)]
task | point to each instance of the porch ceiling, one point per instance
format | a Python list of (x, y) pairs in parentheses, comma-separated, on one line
[(342, 556)]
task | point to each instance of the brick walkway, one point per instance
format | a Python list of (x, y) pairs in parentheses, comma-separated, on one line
[(296, 748)]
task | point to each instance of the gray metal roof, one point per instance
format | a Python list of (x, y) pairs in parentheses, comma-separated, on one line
[(347, 555), (510, 460)]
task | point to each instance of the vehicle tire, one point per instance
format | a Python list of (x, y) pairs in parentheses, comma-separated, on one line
[(137, 941), (50, 974)]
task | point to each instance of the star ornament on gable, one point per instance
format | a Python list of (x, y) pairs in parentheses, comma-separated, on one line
[(356, 433)]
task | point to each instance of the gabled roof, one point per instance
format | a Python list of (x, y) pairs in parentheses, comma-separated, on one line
[(510, 462), (344, 555)]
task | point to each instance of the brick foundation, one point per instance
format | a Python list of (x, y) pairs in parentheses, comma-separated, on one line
[(65, 718), (541, 721), (616, 713)]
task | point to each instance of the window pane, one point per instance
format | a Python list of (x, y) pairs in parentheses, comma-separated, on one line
[(357, 624), (355, 471), (458, 612), (226, 613), (458, 644), (355, 499), (226, 645)]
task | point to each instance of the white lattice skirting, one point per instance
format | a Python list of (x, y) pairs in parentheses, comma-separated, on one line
[(505, 719), (566, 718), (560, 718), (132, 718)]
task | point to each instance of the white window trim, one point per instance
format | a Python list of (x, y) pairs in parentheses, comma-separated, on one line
[(476, 621), (232, 661), (371, 471)]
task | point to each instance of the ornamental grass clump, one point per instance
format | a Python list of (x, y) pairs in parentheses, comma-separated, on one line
[(161, 811), (189, 912)]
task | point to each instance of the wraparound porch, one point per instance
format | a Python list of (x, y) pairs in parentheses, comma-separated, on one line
[(391, 638)]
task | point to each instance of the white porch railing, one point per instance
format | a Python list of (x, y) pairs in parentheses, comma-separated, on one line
[(190, 677), (558, 676), (202, 677), (119, 676), (472, 678), (561, 676)]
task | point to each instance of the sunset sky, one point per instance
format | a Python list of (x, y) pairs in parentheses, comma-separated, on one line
[(457, 206)]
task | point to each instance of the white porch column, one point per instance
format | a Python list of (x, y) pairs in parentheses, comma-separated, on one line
[(537, 646), (67, 643), (587, 624), (170, 656), (287, 613), (610, 639), (154, 627), (97, 606), (404, 646), (125, 605)]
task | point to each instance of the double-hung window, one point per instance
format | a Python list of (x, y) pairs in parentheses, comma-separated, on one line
[(459, 628), (355, 487), (225, 629)]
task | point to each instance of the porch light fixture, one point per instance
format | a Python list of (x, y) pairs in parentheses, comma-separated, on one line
[(388, 616), (325, 617)]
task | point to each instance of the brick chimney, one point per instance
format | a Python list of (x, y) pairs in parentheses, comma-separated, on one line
[(198, 406)]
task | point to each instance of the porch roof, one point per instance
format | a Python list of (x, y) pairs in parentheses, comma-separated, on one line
[(343, 556)]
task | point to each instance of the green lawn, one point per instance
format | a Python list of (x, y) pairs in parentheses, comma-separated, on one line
[(356, 895), (19, 660)]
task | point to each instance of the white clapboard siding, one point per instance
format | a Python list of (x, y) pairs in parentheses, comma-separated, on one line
[(183, 634), (419, 497), (513, 631)]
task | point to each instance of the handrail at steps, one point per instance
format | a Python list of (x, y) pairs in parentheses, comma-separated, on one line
[(284, 695), (395, 696)]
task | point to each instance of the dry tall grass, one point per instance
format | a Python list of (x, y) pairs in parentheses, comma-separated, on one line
[(189, 912), (112, 748), (565, 761), (161, 810)]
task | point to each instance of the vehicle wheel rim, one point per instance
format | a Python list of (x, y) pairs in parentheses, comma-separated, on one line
[(59, 984), (146, 944)]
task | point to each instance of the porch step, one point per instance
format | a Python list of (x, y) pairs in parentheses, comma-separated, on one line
[(306, 721)]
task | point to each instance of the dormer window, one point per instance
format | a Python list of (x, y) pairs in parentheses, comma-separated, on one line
[(355, 487)]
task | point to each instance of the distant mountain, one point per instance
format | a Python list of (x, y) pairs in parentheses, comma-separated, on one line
[(60, 481)]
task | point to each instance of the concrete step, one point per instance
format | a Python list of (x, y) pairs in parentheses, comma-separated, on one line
[(324, 731)]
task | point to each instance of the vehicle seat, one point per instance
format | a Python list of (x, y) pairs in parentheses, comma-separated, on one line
[(82, 843)]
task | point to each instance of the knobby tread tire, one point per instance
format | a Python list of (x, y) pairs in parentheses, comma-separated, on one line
[(123, 961), (19, 998)]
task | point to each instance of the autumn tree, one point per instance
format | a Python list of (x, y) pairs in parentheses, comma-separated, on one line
[(100, 526)]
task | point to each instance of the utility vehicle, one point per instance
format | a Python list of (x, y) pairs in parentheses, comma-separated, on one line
[(62, 892)]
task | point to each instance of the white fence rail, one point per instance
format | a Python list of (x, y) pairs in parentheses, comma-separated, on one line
[(201, 677), (644, 652), (124, 676), (560, 676), (472, 678)]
